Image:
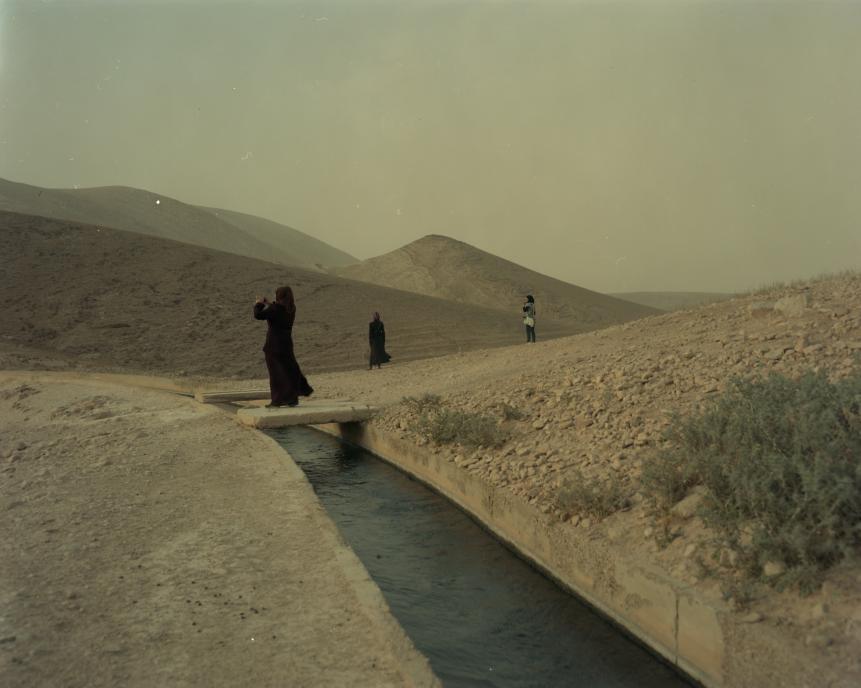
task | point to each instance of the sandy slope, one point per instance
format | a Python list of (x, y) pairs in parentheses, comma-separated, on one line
[(136, 210), (450, 269), (150, 541), (77, 295)]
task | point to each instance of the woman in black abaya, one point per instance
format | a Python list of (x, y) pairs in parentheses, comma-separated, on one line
[(377, 341), (286, 382)]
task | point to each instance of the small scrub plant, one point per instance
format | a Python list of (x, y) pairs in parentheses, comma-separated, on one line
[(591, 497), (449, 426), (781, 461), (607, 397), (743, 593), (794, 284), (668, 476), (766, 288), (423, 403), (509, 412), (665, 534)]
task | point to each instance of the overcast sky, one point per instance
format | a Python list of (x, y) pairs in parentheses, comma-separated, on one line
[(708, 146)]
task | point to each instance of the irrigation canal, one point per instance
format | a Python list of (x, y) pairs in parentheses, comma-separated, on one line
[(482, 616)]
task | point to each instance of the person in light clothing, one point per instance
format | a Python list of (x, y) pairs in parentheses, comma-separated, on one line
[(529, 318)]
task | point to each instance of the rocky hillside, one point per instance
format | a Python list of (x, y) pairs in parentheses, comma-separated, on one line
[(135, 210), (598, 401), (446, 268)]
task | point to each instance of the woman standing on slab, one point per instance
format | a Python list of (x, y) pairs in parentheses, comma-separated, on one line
[(286, 382)]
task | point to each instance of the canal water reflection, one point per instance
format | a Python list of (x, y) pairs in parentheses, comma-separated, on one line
[(482, 616)]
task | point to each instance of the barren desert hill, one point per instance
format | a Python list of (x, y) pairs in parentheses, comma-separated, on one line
[(85, 296), (672, 300), (136, 210), (447, 268), (305, 250)]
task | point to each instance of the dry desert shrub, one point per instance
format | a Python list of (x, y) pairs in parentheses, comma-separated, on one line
[(449, 426), (781, 461), (422, 404), (509, 412), (591, 497), (668, 477), (798, 283)]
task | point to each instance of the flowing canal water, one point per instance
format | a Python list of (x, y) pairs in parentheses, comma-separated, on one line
[(482, 616)]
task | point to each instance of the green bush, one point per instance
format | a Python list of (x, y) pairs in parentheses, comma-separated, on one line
[(781, 459), (471, 430), (595, 498)]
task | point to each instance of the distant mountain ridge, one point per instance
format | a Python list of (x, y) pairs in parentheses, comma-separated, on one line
[(145, 212), (443, 267), (309, 252)]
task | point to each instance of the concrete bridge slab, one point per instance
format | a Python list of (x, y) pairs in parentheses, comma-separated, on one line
[(312, 412), (229, 396)]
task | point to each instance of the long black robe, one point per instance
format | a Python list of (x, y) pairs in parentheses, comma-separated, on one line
[(286, 381), (377, 340)]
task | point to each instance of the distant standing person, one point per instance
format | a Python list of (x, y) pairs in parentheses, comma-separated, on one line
[(529, 318), (286, 382), (377, 340)]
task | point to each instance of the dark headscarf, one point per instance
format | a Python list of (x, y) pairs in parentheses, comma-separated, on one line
[(529, 298), (284, 296)]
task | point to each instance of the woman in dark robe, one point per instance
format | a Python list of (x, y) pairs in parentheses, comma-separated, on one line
[(286, 382), (377, 340)]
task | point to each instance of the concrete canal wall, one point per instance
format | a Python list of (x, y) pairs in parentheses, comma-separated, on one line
[(701, 637)]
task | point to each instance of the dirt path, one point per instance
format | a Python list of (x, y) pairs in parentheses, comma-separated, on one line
[(148, 540)]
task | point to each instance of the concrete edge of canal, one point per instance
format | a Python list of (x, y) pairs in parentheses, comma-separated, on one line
[(700, 637), (414, 666)]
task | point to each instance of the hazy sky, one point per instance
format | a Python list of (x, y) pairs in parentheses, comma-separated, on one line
[(618, 145)]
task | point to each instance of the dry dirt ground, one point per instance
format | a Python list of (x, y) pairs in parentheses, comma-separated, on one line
[(150, 541)]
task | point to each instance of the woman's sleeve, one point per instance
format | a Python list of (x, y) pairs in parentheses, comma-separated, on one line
[(261, 312)]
